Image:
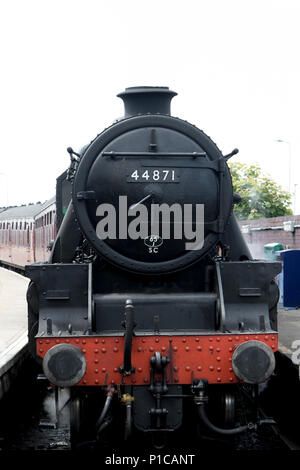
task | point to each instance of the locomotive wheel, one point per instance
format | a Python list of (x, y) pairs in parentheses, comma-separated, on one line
[(75, 421), (229, 409), (85, 408)]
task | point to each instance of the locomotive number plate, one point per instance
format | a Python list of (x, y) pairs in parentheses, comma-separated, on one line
[(152, 175)]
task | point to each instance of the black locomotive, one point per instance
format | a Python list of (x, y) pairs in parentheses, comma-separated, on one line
[(134, 317)]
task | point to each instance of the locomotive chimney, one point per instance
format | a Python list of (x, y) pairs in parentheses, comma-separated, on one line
[(147, 99)]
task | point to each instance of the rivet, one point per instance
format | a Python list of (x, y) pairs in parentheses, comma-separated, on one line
[(256, 337), (47, 341), (184, 340), (219, 369), (210, 339), (151, 349), (115, 369), (187, 368), (103, 341), (133, 381), (176, 379), (112, 382), (84, 351), (230, 359), (157, 340), (247, 337), (175, 348), (83, 341), (199, 368), (218, 339), (140, 369), (211, 367), (218, 358), (67, 341), (96, 361), (40, 341), (84, 381), (218, 379), (273, 338), (163, 348), (96, 381), (77, 340), (267, 337), (103, 350), (116, 349), (116, 340), (139, 349), (41, 350), (96, 371), (175, 368), (218, 349), (230, 369), (187, 348), (237, 338), (96, 351), (230, 379), (143, 340), (197, 340), (145, 380), (230, 349), (96, 341), (229, 339), (273, 346), (199, 348), (103, 369), (211, 348), (57, 341)]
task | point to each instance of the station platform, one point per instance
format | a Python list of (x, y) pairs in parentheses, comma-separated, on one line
[(13, 326), (289, 330)]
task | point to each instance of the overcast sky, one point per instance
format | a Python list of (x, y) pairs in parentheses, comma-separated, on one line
[(234, 64)]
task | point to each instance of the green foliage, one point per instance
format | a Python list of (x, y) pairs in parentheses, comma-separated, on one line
[(261, 196)]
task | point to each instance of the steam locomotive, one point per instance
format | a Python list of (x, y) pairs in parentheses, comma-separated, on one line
[(136, 320)]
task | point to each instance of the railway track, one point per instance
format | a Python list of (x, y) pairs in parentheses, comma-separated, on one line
[(37, 427)]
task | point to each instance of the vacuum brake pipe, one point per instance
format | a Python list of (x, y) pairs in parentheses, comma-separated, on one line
[(127, 368), (200, 400), (110, 393)]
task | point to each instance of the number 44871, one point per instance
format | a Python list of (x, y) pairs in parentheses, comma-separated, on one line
[(153, 175)]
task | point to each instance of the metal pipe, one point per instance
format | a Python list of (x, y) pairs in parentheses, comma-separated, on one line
[(127, 368), (233, 431), (227, 432), (128, 420), (106, 407)]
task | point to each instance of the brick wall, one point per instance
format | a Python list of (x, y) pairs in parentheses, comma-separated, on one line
[(258, 238)]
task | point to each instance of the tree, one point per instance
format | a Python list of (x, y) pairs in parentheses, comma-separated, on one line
[(261, 196)]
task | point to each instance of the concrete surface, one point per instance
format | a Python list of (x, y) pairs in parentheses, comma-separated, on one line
[(13, 325), (289, 329)]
